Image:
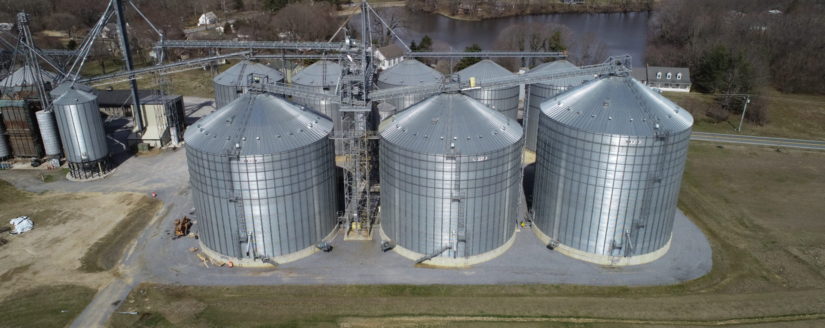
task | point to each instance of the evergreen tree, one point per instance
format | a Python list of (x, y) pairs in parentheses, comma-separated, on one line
[(468, 61)]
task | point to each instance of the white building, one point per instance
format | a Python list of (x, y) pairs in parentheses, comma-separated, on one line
[(674, 79), (389, 56), (208, 19)]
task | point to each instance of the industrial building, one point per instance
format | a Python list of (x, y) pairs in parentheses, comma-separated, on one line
[(83, 135), (450, 180), (22, 132), (115, 103), (231, 83), (609, 164), (504, 100), (163, 120), (262, 171), (408, 72), (538, 93)]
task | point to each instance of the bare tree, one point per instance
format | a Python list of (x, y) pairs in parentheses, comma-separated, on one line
[(531, 37)]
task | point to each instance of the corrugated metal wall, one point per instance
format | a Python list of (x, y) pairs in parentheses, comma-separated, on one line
[(286, 201), (423, 196)]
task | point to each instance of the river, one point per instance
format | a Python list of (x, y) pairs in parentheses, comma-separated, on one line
[(621, 33)]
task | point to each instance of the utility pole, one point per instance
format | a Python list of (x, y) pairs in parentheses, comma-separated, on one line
[(127, 57), (744, 110)]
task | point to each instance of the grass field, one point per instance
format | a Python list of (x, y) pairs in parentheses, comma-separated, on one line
[(194, 82), (760, 208), (789, 115), (107, 251), (49, 274), (53, 306)]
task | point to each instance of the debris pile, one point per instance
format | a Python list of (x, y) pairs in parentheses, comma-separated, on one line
[(21, 224), (182, 227)]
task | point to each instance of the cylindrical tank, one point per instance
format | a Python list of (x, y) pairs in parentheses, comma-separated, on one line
[(49, 133), (5, 152), (609, 166), (450, 178), (231, 82), (262, 172), (322, 76), (408, 72), (83, 135), (539, 93), (504, 100)]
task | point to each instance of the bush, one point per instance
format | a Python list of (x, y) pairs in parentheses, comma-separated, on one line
[(717, 113)]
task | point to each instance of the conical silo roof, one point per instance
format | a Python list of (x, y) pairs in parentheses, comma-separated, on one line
[(322, 73), (65, 86), (257, 124), (451, 124), (561, 66), (617, 105), (73, 96), (483, 70), (238, 73), (410, 72), (24, 76)]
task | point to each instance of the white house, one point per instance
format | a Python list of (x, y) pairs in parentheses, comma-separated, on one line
[(389, 56), (208, 19), (674, 79)]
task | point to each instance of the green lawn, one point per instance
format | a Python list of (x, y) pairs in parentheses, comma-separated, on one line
[(789, 115)]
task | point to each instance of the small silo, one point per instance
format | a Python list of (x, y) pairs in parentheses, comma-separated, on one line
[(539, 93), (82, 133), (450, 178), (262, 172), (609, 165), (323, 77), (49, 133), (231, 83), (408, 72), (504, 100)]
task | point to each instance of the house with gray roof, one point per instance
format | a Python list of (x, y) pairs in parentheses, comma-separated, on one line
[(673, 79), (389, 56)]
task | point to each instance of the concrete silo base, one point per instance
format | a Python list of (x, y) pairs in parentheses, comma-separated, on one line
[(257, 263), (444, 262), (604, 259)]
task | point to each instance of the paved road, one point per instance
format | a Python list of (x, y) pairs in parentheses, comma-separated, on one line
[(759, 141)]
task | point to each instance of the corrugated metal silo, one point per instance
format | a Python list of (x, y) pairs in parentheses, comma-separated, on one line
[(450, 177), (49, 133), (231, 82), (322, 76), (504, 100), (83, 135), (262, 174), (408, 72), (609, 165), (540, 92)]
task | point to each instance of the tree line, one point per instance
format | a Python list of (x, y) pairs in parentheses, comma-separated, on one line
[(483, 9), (742, 46)]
